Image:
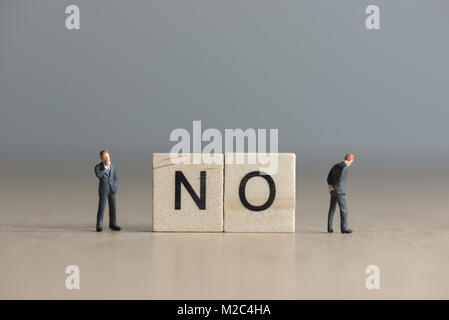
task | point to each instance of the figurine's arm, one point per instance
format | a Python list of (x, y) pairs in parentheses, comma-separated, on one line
[(99, 172), (115, 177), (344, 174), (329, 183), (114, 180)]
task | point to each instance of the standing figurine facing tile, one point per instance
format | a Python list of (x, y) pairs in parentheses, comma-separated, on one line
[(336, 186), (107, 188)]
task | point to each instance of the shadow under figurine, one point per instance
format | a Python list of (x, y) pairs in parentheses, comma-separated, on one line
[(107, 188)]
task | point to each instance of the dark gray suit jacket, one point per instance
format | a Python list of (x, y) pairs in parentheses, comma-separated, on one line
[(108, 180), (337, 177)]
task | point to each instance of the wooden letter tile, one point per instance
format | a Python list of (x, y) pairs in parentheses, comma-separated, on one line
[(187, 197), (256, 202)]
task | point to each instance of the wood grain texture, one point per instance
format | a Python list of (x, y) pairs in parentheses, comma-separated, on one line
[(279, 216), (189, 218)]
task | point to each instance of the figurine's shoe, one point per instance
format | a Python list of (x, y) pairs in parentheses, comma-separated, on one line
[(99, 229), (115, 228), (346, 231), (330, 230)]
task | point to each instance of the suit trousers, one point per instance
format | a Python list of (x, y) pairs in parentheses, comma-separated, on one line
[(101, 205), (341, 200)]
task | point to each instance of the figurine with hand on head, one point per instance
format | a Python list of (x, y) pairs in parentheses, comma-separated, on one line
[(106, 173), (336, 186)]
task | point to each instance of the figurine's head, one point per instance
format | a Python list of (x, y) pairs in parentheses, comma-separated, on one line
[(105, 157), (349, 158)]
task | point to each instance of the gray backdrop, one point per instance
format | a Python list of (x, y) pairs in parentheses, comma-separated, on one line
[(139, 69)]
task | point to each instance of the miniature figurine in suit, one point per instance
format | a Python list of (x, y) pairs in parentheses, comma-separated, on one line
[(336, 186), (106, 173)]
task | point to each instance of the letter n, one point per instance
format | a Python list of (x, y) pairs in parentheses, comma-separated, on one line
[(199, 201)]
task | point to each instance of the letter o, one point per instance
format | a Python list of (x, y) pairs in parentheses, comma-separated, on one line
[(271, 185)]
